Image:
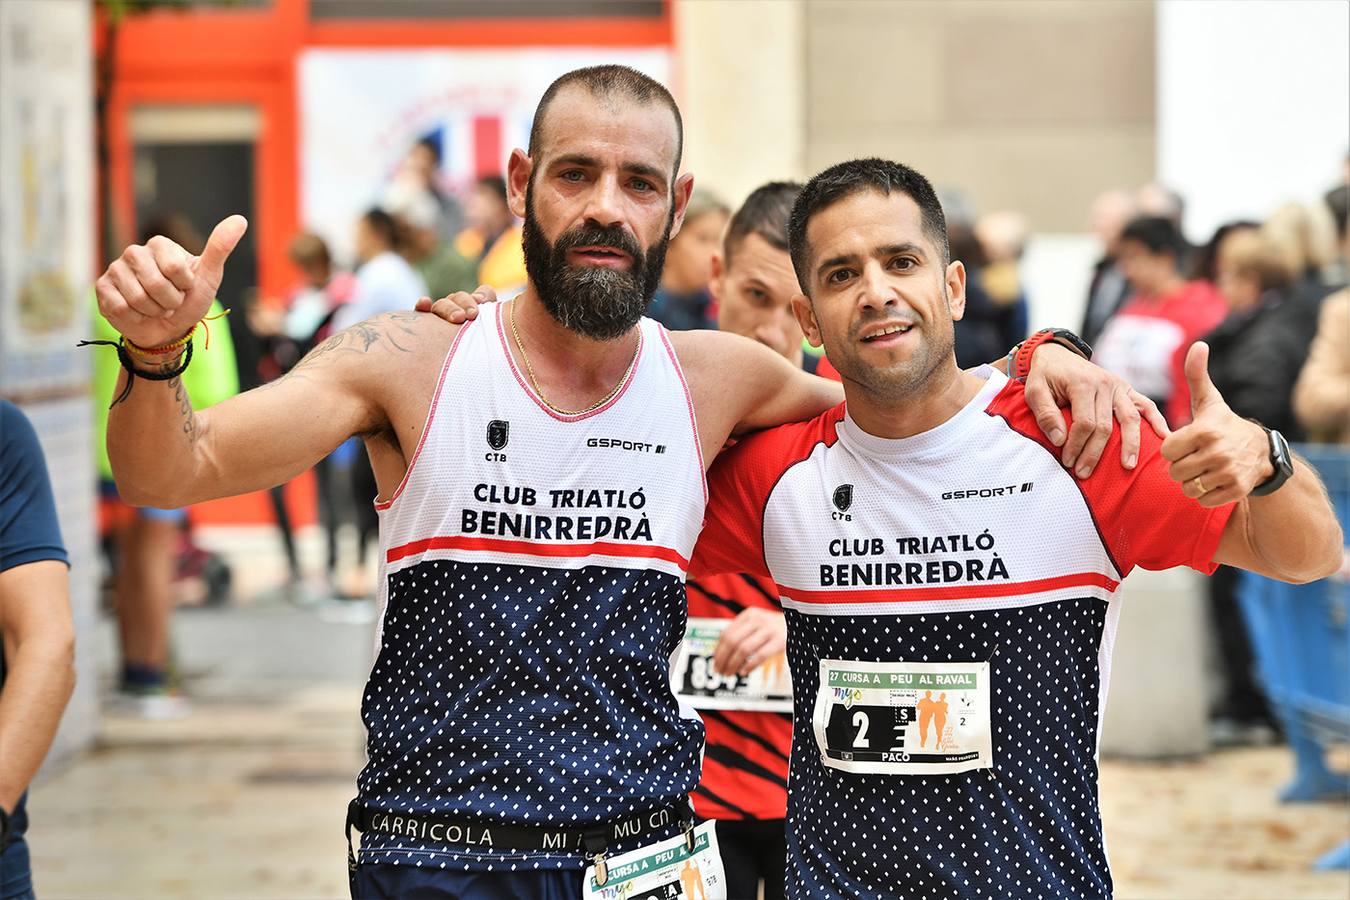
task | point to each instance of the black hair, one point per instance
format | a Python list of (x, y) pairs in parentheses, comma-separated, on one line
[(432, 146), (845, 179), (385, 226), (495, 185), (610, 81), (765, 213), (1158, 234), (1206, 266)]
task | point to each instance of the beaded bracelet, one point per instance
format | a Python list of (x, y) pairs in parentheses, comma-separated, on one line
[(148, 353)]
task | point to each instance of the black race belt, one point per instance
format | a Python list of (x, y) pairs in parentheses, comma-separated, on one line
[(593, 841)]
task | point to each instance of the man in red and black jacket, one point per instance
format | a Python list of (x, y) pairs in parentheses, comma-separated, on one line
[(745, 766)]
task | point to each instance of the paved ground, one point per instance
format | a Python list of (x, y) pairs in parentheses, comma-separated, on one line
[(244, 798)]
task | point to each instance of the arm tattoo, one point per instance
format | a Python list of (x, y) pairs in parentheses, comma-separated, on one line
[(360, 338), (180, 396)]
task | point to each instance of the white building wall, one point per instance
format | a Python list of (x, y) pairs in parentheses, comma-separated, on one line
[(1253, 104)]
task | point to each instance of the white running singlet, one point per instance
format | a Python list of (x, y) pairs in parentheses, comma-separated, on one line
[(531, 594)]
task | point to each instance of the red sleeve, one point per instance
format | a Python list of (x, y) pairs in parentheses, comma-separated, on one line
[(739, 484), (1142, 516)]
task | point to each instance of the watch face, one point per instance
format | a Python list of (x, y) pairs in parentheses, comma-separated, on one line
[(1279, 452)]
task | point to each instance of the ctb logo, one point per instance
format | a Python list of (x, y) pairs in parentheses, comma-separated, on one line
[(843, 499), (498, 433)]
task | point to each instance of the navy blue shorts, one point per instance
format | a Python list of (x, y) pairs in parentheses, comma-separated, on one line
[(375, 881)]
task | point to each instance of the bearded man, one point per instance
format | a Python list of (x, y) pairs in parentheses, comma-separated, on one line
[(541, 486)]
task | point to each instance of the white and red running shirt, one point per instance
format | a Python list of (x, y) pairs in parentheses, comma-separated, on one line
[(531, 595), (951, 600)]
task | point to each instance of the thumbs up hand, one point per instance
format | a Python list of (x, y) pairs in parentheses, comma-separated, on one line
[(154, 293), (1220, 456)]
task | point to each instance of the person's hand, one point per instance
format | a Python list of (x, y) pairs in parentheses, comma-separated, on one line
[(1094, 396), (459, 307), (754, 636), (1220, 456), (154, 293)]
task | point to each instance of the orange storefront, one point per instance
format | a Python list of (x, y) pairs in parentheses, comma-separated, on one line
[(246, 57)]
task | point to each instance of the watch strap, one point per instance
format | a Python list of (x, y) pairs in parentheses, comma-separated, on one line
[(1281, 460), (1019, 360)]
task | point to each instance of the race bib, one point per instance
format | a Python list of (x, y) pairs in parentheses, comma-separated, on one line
[(768, 687), (664, 871), (903, 718)]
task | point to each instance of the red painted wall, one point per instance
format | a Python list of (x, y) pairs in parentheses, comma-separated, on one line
[(250, 56)]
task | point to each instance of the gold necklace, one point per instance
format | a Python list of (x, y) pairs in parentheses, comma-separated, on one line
[(540, 391)]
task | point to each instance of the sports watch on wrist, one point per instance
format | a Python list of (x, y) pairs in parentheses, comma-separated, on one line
[(1019, 363), (1281, 459)]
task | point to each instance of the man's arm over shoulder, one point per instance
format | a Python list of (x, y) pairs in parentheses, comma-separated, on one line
[(166, 454), (740, 484), (738, 386)]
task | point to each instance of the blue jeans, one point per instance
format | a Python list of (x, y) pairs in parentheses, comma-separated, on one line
[(16, 881)]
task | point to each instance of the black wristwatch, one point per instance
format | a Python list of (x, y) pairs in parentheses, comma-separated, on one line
[(4, 829), (1281, 459), (1019, 358), (1066, 338)]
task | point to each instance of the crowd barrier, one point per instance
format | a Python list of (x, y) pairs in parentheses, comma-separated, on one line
[(1301, 638)]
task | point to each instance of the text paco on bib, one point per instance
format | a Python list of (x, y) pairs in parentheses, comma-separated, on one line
[(904, 718)]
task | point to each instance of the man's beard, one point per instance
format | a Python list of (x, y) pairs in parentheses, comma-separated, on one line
[(597, 302)]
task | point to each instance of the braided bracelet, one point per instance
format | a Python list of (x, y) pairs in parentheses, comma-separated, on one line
[(124, 357)]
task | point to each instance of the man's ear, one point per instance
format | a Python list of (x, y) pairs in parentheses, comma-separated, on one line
[(684, 186), (806, 318), (518, 169), (956, 289), (718, 279)]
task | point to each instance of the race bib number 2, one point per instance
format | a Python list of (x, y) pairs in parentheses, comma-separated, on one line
[(904, 718)]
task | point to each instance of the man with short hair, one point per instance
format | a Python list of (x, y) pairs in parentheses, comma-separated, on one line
[(743, 785), (752, 279), (535, 530), (924, 540)]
